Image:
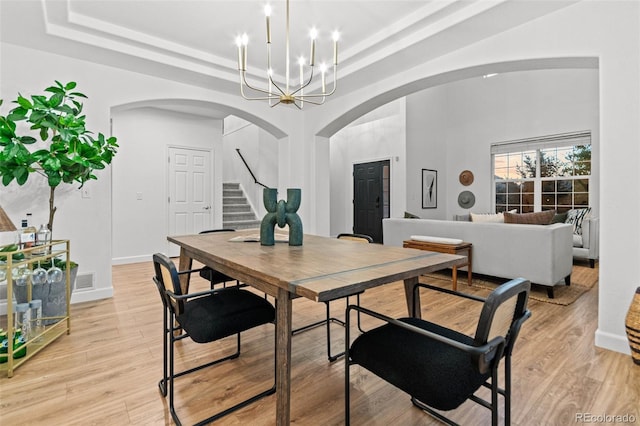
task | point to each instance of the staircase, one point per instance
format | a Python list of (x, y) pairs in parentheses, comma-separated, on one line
[(236, 211)]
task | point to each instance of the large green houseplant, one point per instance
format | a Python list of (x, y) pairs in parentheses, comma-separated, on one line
[(46, 135), (54, 143)]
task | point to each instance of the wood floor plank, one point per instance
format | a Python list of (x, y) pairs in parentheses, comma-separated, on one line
[(106, 371)]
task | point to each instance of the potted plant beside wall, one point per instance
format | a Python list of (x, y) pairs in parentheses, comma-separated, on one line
[(45, 136)]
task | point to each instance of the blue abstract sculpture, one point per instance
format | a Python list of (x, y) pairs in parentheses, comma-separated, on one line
[(281, 213)]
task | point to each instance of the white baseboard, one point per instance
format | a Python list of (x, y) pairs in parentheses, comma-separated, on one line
[(613, 342), (91, 295), (131, 259)]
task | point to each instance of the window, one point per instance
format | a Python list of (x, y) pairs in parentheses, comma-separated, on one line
[(548, 173)]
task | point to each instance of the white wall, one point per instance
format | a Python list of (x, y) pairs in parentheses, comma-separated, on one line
[(456, 123), (380, 135), (140, 227)]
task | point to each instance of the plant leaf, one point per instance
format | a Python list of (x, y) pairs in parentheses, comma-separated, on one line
[(24, 102), (6, 179), (54, 89), (56, 99), (54, 180), (27, 139), (21, 174)]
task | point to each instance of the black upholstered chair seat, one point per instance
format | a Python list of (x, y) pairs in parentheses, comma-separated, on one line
[(390, 349), (224, 313)]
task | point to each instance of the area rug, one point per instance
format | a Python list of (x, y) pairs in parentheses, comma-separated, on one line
[(583, 279)]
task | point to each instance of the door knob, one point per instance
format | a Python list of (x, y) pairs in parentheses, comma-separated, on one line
[(206, 207)]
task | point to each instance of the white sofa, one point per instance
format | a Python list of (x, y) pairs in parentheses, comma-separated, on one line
[(587, 245), (540, 253)]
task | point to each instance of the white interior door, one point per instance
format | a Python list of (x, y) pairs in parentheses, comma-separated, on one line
[(190, 191)]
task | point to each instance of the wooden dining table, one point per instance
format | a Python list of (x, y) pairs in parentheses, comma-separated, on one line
[(321, 269)]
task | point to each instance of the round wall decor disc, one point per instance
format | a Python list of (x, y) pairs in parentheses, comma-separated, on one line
[(466, 178), (466, 199)]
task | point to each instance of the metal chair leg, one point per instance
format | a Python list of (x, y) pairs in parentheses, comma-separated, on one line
[(332, 358), (171, 338)]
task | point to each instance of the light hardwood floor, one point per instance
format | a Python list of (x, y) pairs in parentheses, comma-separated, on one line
[(106, 371)]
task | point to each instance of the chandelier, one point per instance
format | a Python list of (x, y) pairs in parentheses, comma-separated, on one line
[(287, 93)]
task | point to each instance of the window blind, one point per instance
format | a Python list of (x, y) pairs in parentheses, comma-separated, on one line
[(543, 142)]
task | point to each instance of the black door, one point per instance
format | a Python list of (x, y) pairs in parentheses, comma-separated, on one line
[(370, 198)]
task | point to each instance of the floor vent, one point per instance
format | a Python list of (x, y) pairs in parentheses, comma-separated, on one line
[(85, 281)]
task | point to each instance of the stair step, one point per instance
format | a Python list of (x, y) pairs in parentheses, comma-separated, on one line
[(236, 208), (234, 200), (232, 192), (232, 217), (242, 224), (230, 185)]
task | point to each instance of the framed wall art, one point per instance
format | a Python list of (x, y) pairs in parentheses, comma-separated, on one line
[(429, 189)]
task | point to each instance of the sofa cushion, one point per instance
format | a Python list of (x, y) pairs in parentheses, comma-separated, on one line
[(487, 217), (536, 218), (577, 240), (575, 218), (438, 240), (559, 218)]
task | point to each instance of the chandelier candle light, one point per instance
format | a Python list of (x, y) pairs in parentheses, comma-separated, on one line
[(290, 94)]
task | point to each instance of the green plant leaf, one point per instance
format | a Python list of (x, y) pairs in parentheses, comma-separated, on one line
[(37, 115), (66, 109), (7, 179), (54, 180), (21, 174), (51, 163), (70, 85), (40, 102), (40, 155), (17, 114), (56, 99), (44, 133), (24, 102), (54, 89), (27, 139)]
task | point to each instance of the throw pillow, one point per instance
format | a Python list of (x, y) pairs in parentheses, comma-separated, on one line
[(535, 218), (408, 215), (575, 217), (559, 218), (487, 217)]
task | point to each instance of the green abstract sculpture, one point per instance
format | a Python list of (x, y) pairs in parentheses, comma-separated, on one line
[(281, 213)]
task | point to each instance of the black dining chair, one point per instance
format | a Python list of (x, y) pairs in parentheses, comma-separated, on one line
[(211, 275), (440, 368), (328, 319), (205, 317)]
